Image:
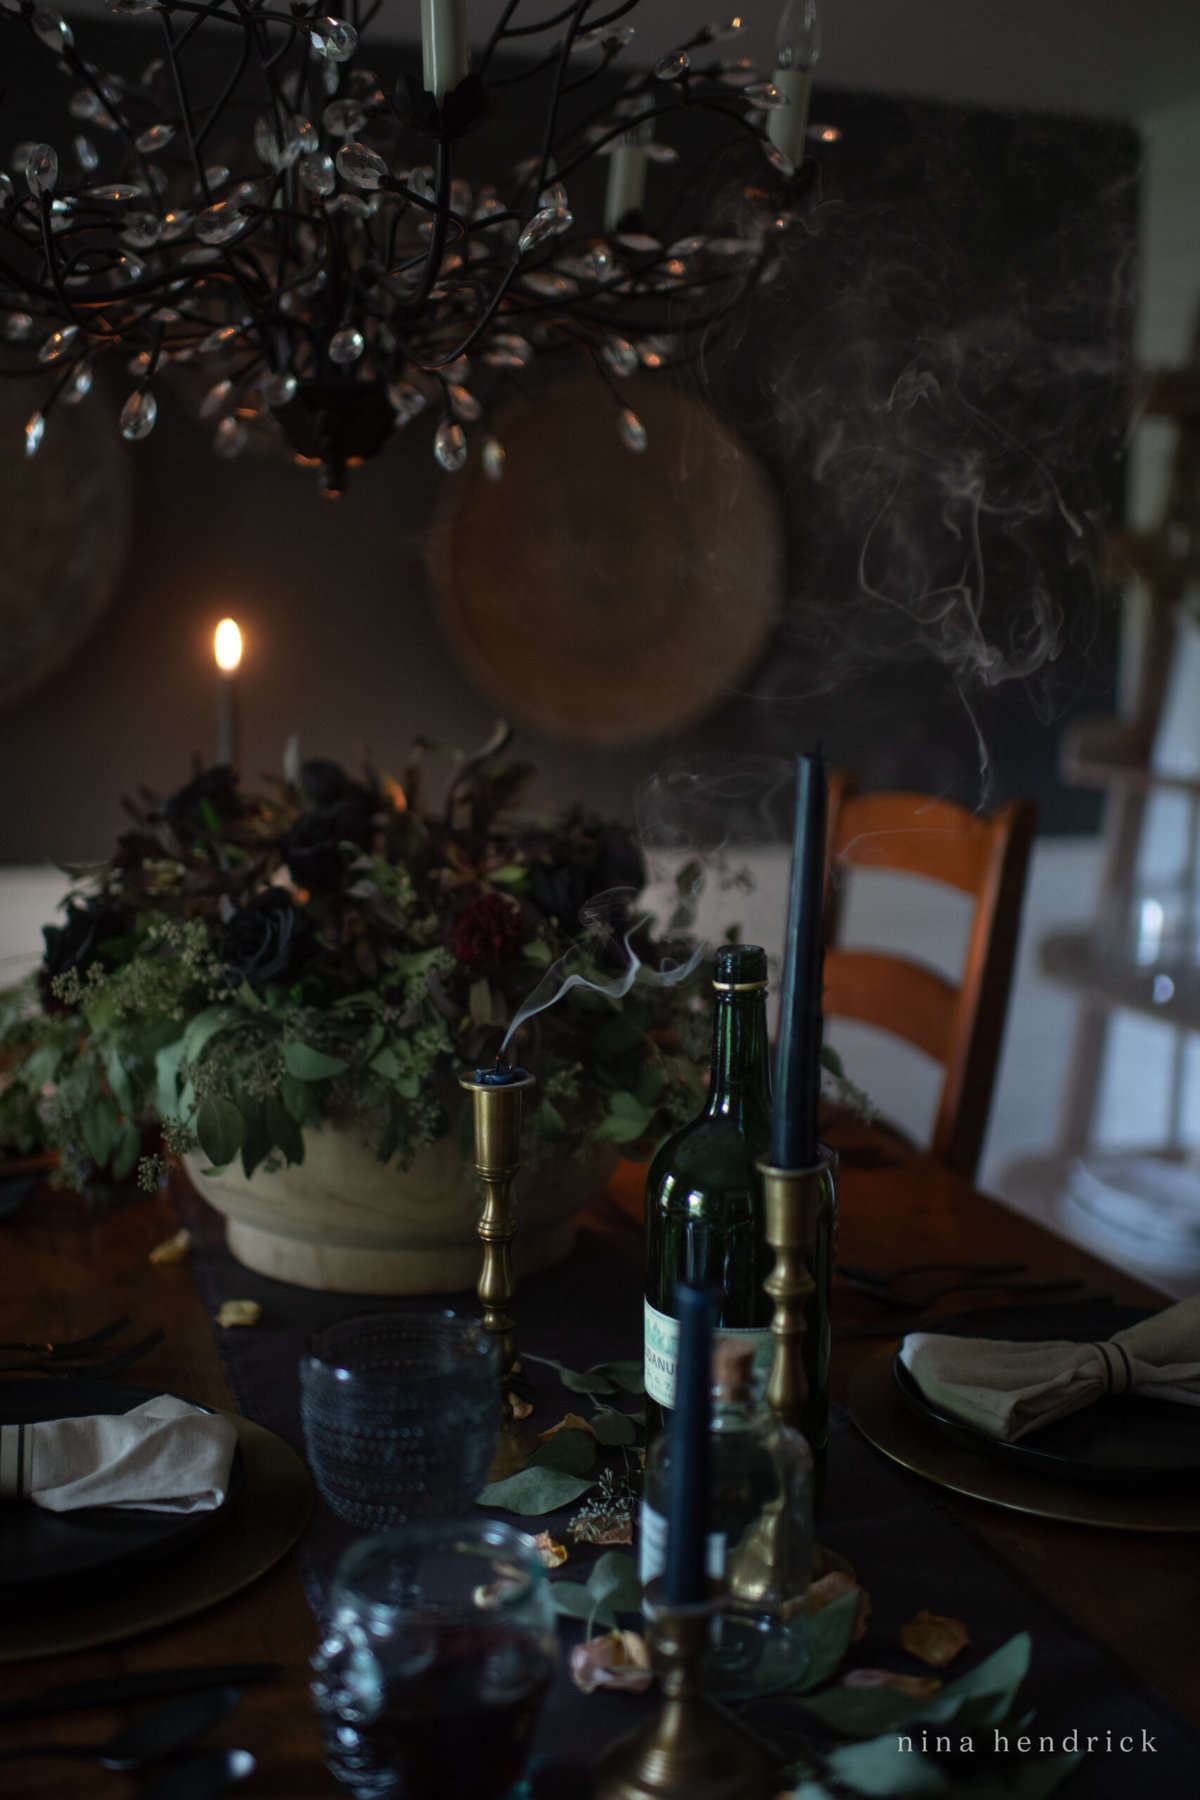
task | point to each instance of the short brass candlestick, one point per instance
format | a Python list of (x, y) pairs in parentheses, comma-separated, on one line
[(799, 1209), (689, 1752), (498, 1096)]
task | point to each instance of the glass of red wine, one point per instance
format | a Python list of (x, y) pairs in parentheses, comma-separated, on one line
[(440, 1648)]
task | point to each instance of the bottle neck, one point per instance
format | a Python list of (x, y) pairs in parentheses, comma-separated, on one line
[(741, 1067)]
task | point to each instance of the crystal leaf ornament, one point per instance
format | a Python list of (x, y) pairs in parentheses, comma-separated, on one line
[(360, 166), (35, 431), (333, 39), (450, 446), (138, 415), (632, 431), (492, 457), (338, 293), (41, 169)]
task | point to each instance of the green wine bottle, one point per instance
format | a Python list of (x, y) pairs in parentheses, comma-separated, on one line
[(704, 1208)]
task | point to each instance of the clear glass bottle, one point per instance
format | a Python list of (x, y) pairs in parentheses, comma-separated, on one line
[(704, 1206), (760, 1531)]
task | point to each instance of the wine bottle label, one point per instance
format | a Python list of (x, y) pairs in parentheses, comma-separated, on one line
[(662, 1348), (652, 1547)]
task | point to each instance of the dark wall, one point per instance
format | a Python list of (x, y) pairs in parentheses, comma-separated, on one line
[(951, 219)]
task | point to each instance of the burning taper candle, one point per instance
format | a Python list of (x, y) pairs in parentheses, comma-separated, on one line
[(445, 47), (798, 1057), (227, 648)]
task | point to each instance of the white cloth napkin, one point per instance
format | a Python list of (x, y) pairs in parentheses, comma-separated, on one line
[(162, 1456), (1009, 1390)]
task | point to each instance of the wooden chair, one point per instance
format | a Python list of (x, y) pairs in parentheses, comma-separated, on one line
[(959, 1027)]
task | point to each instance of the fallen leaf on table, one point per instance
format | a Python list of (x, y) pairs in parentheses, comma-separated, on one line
[(831, 1587), (621, 1659), (553, 1555), (933, 1638), (917, 1687), (569, 1422), (521, 1409), (172, 1249), (239, 1312)]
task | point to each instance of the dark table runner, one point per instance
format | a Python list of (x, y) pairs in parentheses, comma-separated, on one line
[(909, 1549)]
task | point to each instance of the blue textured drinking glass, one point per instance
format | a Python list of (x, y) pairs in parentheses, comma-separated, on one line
[(400, 1414)]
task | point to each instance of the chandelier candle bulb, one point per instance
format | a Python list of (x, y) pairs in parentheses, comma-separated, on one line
[(797, 47), (445, 48), (227, 648), (798, 1056), (626, 189)]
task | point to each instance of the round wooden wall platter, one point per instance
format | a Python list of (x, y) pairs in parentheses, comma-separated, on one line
[(64, 531), (601, 595)]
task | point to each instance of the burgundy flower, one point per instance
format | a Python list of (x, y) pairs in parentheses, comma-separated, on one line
[(489, 931)]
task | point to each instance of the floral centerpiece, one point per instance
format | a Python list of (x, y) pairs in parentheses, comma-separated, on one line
[(248, 968)]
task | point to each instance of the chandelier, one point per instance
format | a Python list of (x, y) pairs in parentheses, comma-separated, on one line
[(270, 235)]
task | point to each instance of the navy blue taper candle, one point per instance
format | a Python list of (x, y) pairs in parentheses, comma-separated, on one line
[(685, 1578), (798, 1057)]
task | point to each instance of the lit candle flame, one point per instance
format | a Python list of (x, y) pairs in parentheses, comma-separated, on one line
[(227, 646)]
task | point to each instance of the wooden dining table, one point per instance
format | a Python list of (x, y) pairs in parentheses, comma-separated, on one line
[(67, 1264)]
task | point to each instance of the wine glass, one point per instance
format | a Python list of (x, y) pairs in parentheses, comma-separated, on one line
[(439, 1651)]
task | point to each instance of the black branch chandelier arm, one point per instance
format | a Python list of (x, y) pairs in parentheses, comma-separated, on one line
[(251, 216)]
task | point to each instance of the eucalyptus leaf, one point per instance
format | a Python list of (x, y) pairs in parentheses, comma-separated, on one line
[(572, 1451), (126, 1150), (879, 1766), (205, 1026), (612, 1427), (166, 1072), (534, 1491), (992, 1684), (283, 1131), (865, 1712), (118, 1081), (830, 1632), (98, 1122), (256, 1143), (550, 1120), (590, 1381), (614, 1581), (385, 1063), (575, 1601), (628, 1375), (297, 1097), (307, 1064), (220, 1128), (625, 1120), (1032, 1780)]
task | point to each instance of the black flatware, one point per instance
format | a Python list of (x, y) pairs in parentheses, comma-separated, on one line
[(200, 1777), (72, 1347), (93, 1371), (144, 1684), (154, 1734)]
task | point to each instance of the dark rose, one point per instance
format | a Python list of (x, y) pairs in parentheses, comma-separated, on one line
[(78, 943), (210, 795), (489, 931), (340, 811), (268, 939), (604, 857)]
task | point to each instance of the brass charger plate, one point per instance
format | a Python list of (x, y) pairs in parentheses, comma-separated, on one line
[(885, 1421), (258, 1525), (604, 596)]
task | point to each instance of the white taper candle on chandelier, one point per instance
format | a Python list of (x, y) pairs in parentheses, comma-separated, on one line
[(227, 648), (445, 47), (797, 47), (626, 179)]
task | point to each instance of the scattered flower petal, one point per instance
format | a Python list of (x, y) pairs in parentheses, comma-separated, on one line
[(172, 1249), (919, 1687), (619, 1660), (933, 1638), (569, 1422), (831, 1587), (239, 1312), (553, 1555), (520, 1409)]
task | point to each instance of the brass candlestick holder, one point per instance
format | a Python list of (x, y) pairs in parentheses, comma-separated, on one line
[(689, 1752), (498, 1100), (800, 1215)]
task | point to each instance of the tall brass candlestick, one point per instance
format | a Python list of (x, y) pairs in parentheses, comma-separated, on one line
[(799, 1214), (689, 1752), (498, 1098)]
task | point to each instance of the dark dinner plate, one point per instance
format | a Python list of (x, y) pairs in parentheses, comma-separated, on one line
[(1122, 1442), (37, 1545)]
